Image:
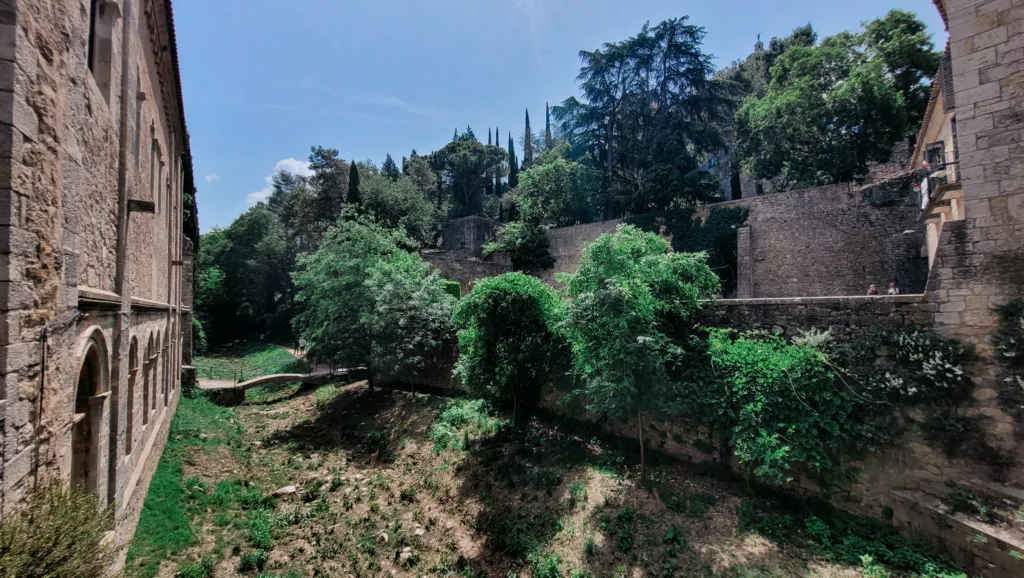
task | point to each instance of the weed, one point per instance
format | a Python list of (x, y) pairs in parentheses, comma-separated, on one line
[(1016, 555), (674, 536), (253, 561), (546, 565), (195, 569), (260, 536), (963, 500), (324, 396), (588, 547), (694, 506), (577, 494), (408, 494)]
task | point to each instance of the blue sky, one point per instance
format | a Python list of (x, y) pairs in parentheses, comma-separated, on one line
[(265, 79)]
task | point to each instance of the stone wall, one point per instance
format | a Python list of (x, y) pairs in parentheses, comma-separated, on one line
[(466, 271), (465, 237), (84, 259), (825, 241)]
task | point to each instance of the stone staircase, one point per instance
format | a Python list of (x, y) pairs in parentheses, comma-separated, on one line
[(989, 548)]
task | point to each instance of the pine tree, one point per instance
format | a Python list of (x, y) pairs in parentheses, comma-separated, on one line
[(501, 213), (353, 185), (527, 143), (548, 141), (455, 136), (513, 165), (489, 189), (390, 169)]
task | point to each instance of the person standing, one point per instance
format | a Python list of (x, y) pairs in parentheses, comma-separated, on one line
[(893, 290), (873, 290)]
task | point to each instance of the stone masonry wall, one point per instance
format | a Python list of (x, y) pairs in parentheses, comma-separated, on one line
[(466, 271), (823, 241)]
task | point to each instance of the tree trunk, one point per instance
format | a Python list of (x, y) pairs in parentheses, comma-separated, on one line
[(643, 462)]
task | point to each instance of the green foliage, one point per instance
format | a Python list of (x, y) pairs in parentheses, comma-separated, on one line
[(397, 203), (246, 360), (526, 243), (831, 109), (354, 196), (636, 120), (332, 291), (243, 283), (1009, 342), (198, 337), (911, 365), (546, 565), (508, 348), (461, 415), (57, 533), (253, 561), (559, 192), (781, 403), (410, 314), (715, 236), (453, 288), (259, 532), (623, 302), (389, 169), (846, 539), (463, 166), (195, 569)]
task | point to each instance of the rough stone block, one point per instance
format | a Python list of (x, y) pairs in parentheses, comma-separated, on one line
[(18, 356), (989, 38)]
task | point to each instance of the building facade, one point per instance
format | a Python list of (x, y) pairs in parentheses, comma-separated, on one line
[(96, 200)]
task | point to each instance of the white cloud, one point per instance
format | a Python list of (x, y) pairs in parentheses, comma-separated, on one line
[(291, 165), (211, 177)]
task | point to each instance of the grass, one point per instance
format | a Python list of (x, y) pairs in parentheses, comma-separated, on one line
[(409, 485), (246, 360)]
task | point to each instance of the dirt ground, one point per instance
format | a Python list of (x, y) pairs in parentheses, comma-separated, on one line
[(376, 494)]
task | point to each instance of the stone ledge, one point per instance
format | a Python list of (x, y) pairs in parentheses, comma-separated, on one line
[(138, 302), (840, 299)]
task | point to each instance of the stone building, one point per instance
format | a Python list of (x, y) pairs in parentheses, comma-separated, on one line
[(96, 194)]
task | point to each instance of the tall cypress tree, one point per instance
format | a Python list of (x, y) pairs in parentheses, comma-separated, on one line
[(548, 141), (513, 165), (527, 143), (353, 185), (489, 188), (497, 170)]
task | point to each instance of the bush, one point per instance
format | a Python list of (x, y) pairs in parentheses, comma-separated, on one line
[(508, 349), (198, 337), (253, 561), (195, 569), (453, 288), (57, 533), (526, 243)]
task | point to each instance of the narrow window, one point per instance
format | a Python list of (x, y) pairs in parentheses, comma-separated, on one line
[(138, 116), (94, 9), (102, 15)]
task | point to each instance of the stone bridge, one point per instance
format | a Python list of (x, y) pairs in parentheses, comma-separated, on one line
[(227, 392)]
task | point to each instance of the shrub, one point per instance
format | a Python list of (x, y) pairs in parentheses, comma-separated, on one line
[(508, 348), (784, 403), (198, 337), (453, 288), (912, 365), (260, 535), (526, 243), (195, 569), (546, 565), (253, 561), (57, 533)]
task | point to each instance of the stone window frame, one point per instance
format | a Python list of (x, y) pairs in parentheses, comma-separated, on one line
[(91, 353), (103, 14)]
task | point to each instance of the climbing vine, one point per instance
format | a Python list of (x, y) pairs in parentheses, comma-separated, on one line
[(1009, 342), (716, 236)]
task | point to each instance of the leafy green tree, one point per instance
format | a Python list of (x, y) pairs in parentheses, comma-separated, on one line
[(354, 195), (828, 111), (389, 169), (526, 243), (334, 300), (462, 165), (329, 182), (901, 41), (410, 317), (561, 192), (508, 347), (650, 110), (489, 186), (419, 171), (629, 292), (400, 204)]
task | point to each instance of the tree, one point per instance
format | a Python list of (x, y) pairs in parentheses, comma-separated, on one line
[(329, 182), (463, 165), (527, 143), (508, 347), (400, 204), (410, 317), (419, 172), (548, 141), (526, 243), (829, 110), (561, 192), (650, 110), (513, 165), (497, 170), (901, 41), (354, 196), (628, 293), (335, 302), (389, 169), (490, 172)]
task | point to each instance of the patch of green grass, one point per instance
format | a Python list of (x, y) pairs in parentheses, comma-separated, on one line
[(260, 536), (325, 395), (458, 419), (546, 565), (165, 526), (247, 360), (253, 561), (578, 494), (878, 548)]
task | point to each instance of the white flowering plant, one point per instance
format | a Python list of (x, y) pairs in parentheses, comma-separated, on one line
[(911, 364), (1009, 342)]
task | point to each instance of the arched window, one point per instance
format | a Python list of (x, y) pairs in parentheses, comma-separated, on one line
[(133, 371), (102, 16), (157, 373), (92, 383), (166, 352), (146, 381)]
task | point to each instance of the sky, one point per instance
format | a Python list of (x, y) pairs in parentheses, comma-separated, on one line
[(264, 80)]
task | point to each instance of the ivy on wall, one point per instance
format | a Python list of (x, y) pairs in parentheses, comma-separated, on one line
[(716, 235), (1009, 342)]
